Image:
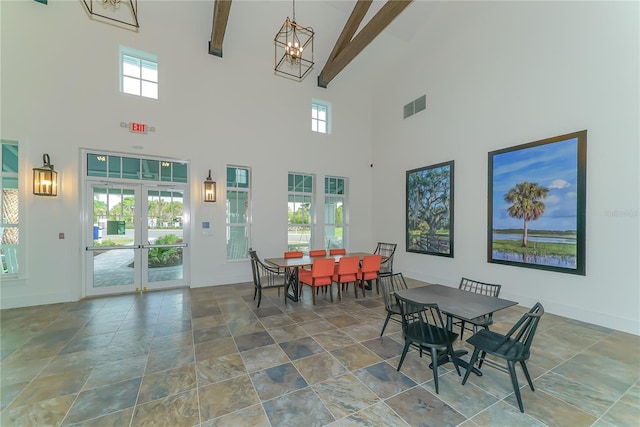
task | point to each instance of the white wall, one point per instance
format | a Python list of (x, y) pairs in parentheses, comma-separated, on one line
[(496, 74), (500, 74), (60, 94)]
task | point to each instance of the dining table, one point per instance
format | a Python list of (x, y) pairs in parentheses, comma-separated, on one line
[(293, 266), (459, 304)]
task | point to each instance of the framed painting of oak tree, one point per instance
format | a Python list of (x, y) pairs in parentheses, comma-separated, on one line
[(536, 208), (430, 210)]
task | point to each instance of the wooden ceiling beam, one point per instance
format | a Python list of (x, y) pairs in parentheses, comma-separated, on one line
[(346, 48), (221, 10)]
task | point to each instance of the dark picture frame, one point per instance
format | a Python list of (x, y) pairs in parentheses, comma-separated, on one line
[(536, 206), (429, 221)]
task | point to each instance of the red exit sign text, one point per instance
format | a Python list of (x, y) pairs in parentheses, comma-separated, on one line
[(137, 127)]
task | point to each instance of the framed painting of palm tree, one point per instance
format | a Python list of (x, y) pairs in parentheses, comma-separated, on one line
[(536, 208), (430, 210)]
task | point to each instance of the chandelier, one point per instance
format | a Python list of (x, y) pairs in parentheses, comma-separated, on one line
[(121, 11), (293, 49)]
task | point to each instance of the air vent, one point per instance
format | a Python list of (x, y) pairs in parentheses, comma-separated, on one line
[(415, 106)]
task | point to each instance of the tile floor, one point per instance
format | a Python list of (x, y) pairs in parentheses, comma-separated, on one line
[(207, 357)]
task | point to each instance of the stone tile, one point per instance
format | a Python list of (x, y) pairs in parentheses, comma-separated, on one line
[(333, 339), (278, 380), (384, 347), (114, 419), (178, 410), (344, 395), (253, 340), (215, 348), (41, 413), (320, 367), (276, 321), (253, 416), (317, 326), (167, 383), (503, 414), (227, 396), (219, 368), (300, 408), (623, 414), (210, 334), (263, 357), (287, 333), (48, 387), (104, 400), (302, 347), (109, 373), (384, 380), (377, 415), (355, 356), (468, 399), (342, 320), (163, 360), (549, 410), (418, 406), (591, 400)]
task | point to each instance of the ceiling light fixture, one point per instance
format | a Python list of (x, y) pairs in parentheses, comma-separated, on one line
[(114, 11), (293, 49)]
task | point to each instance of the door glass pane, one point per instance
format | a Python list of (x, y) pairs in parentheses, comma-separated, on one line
[(113, 230), (299, 230), (165, 229), (130, 168)]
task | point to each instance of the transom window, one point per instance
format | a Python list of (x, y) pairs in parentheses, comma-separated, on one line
[(238, 212), (108, 166), (9, 203), (138, 73), (335, 215), (320, 116), (300, 197)]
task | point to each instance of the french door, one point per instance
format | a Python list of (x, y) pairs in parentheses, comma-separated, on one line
[(136, 237)]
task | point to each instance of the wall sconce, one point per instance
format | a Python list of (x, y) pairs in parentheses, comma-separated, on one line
[(209, 189), (45, 179)]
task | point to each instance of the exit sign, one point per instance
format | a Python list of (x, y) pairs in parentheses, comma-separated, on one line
[(137, 127)]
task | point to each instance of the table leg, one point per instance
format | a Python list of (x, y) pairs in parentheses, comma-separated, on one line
[(443, 357), (291, 288)]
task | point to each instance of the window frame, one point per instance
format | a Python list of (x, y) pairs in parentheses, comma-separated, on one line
[(342, 194), (316, 106), (142, 57), (299, 195), (229, 223), (16, 176)]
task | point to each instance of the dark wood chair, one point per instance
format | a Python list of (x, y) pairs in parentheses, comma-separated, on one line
[(514, 346), (264, 276), (482, 288), (389, 285), (423, 327)]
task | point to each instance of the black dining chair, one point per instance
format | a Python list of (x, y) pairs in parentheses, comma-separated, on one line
[(387, 250), (482, 288), (423, 327), (389, 285), (514, 346), (264, 276)]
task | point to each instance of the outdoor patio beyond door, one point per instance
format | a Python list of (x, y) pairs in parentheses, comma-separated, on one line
[(136, 238)]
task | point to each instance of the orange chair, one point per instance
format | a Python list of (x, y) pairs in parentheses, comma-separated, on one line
[(293, 254), (321, 275), (338, 251), (370, 270), (346, 272), (317, 252)]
